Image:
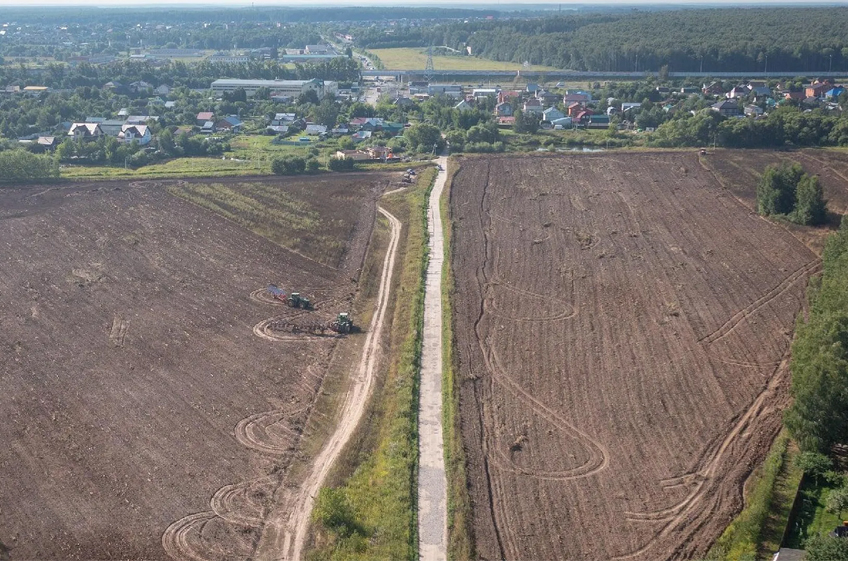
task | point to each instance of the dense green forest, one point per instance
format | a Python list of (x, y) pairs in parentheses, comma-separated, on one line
[(733, 39), (818, 417)]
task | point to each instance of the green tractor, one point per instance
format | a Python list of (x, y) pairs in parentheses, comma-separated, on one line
[(342, 324), (295, 300)]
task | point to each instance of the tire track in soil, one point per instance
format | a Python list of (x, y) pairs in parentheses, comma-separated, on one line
[(569, 310), (253, 432), (599, 455), (230, 501), (176, 541), (284, 529), (727, 327), (678, 514)]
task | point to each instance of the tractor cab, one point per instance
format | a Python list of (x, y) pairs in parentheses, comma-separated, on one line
[(343, 323)]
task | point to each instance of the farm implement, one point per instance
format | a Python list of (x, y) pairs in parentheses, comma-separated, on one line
[(293, 299), (341, 325)]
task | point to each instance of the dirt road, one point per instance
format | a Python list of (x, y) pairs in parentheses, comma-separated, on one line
[(285, 529), (432, 483)]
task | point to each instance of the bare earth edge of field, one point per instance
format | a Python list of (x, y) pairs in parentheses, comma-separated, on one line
[(460, 544)]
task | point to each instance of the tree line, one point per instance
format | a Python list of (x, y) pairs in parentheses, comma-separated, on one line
[(718, 40), (818, 417), (175, 73)]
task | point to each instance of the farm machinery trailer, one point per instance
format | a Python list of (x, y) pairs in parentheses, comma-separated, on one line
[(293, 299), (342, 325)]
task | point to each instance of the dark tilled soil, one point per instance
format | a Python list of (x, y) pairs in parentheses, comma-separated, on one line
[(128, 362), (623, 324)]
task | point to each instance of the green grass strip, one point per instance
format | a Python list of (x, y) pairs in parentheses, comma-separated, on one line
[(742, 538), (460, 536), (371, 511)]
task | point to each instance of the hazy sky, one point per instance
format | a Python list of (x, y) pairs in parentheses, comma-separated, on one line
[(481, 3)]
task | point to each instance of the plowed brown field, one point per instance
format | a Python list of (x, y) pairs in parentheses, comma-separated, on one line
[(739, 171), (623, 324), (142, 414)]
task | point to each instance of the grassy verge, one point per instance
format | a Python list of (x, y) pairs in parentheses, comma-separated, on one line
[(460, 537), (745, 537), (178, 167), (785, 490), (272, 213), (373, 487), (812, 519)]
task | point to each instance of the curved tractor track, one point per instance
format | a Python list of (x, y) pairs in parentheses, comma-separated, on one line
[(237, 511)]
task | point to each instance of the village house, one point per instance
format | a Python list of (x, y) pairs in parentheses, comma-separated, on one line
[(817, 89), (316, 129), (547, 98), (110, 127), (141, 119), (356, 155), (230, 123), (508, 96), (503, 109), (574, 108), (463, 106), (552, 114), (753, 110), (204, 117), (728, 108), (283, 119), (85, 131), (737, 92), (713, 88), (48, 142), (576, 97), (533, 106), (760, 91), (139, 133), (582, 116)]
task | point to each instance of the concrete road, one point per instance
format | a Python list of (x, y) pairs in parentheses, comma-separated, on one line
[(432, 482)]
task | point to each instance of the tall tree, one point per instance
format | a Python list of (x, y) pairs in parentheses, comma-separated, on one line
[(810, 206)]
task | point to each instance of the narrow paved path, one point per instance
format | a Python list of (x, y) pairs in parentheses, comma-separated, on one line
[(285, 528), (432, 483)]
